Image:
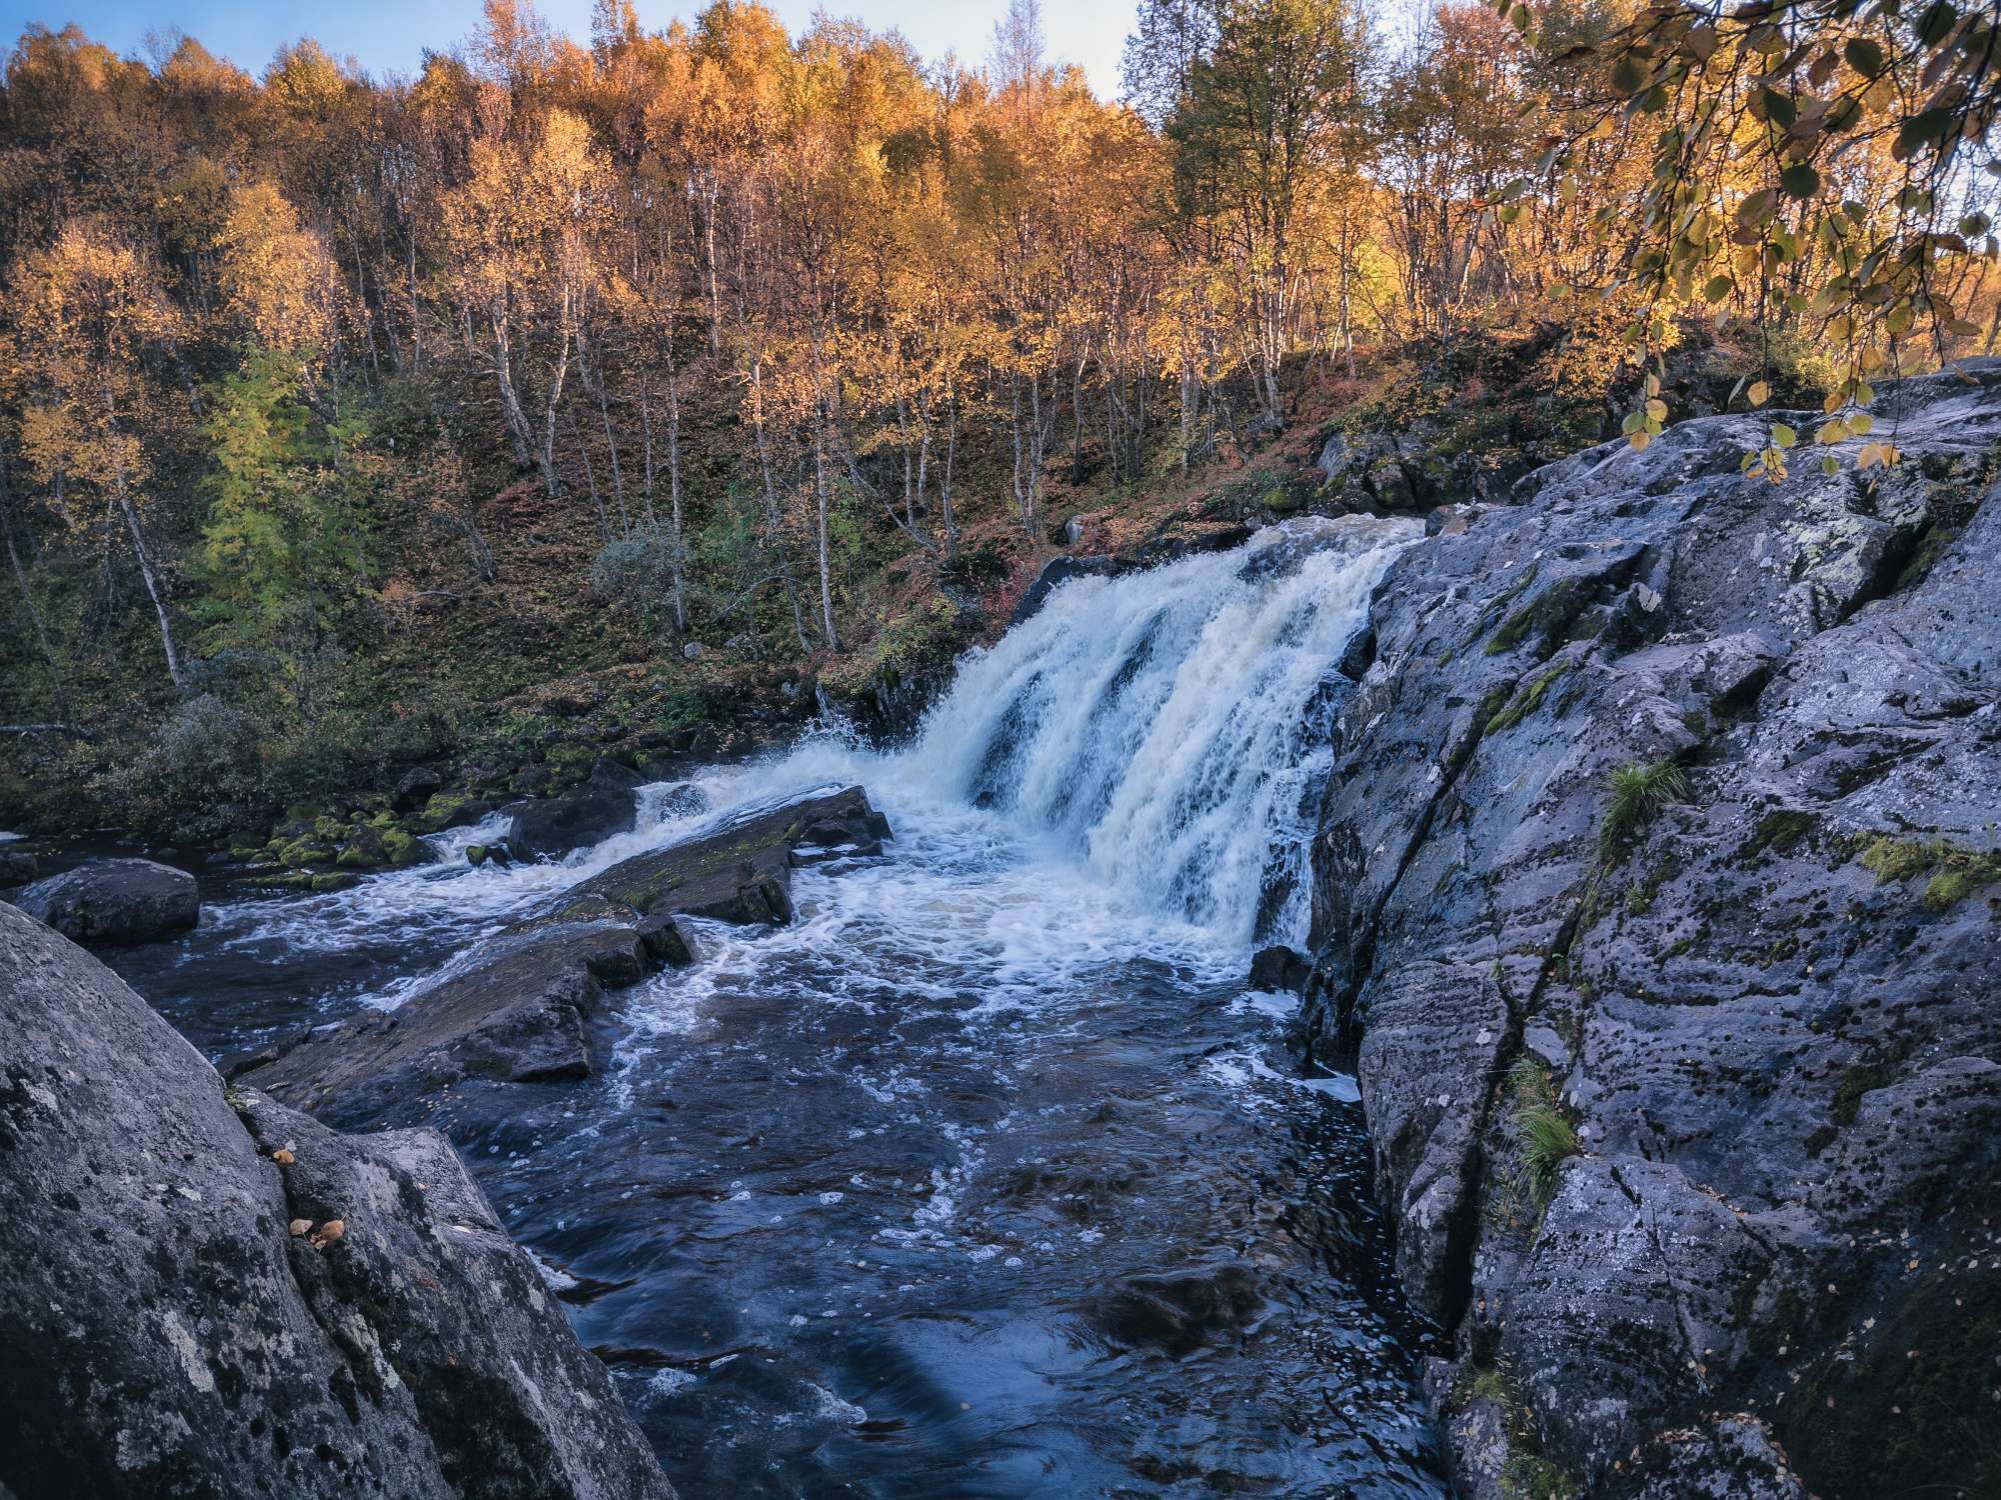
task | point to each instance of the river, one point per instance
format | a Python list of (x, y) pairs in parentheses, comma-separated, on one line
[(988, 1176)]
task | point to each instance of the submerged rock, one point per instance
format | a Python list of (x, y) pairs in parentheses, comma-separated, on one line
[(224, 1298), (1686, 1090), (115, 901), (1280, 969), (520, 1008)]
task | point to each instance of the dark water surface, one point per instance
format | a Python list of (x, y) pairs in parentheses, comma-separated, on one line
[(969, 1183)]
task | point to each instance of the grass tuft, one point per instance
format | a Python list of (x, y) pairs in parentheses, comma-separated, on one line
[(1638, 793), (1545, 1138)]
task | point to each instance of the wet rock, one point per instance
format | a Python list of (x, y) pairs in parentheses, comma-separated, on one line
[(364, 850), (449, 810), (190, 1344), (667, 941), (1180, 1311), (17, 867), (743, 871), (1056, 571), (115, 901), (1280, 969), (1779, 1057), (550, 827), (520, 1009), (518, 1013)]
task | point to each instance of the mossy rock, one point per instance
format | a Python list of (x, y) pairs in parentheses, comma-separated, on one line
[(441, 811), (404, 849), (304, 853), (334, 882)]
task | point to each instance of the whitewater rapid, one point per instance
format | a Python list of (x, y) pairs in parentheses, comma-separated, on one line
[(1137, 765)]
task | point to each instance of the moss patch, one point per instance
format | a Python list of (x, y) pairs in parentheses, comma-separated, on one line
[(1528, 699)]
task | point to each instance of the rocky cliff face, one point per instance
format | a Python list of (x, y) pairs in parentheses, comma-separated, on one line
[(1657, 906), (208, 1294)]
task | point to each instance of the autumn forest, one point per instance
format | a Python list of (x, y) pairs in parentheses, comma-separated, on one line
[(339, 412)]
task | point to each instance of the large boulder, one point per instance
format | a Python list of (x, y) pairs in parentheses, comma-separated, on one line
[(519, 1009), (198, 1325), (1686, 1092), (550, 827), (115, 901)]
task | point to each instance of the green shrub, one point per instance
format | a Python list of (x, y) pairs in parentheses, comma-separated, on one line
[(1638, 793), (636, 573), (209, 751)]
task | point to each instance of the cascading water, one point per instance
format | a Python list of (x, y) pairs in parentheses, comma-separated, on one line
[(1172, 725), (985, 1177)]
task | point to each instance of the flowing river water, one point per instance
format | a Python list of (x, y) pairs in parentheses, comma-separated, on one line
[(987, 1176)]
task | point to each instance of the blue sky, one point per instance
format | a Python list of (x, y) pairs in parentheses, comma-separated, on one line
[(390, 35)]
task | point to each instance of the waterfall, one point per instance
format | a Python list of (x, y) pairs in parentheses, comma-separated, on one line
[(1172, 726)]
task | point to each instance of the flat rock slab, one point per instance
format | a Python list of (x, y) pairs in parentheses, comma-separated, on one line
[(743, 871), (518, 1008), (115, 901), (186, 1342)]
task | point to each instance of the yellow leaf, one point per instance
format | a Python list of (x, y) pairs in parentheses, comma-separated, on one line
[(1640, 439), (1759, 393)]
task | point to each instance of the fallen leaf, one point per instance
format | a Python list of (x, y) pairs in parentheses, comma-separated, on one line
[(333, 1229), (283, 1157), (300, 1226)]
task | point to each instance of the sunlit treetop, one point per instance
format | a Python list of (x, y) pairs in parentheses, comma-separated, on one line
[(1819, 163)]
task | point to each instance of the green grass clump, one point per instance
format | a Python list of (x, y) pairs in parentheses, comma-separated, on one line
[(1638, 793), (1530, 1476), (1545, 1138)]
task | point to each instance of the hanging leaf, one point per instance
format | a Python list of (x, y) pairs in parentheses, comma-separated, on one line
[(1757, 208), (1759, 393), (1800, 180), (1921, 130), (1864, 56)]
